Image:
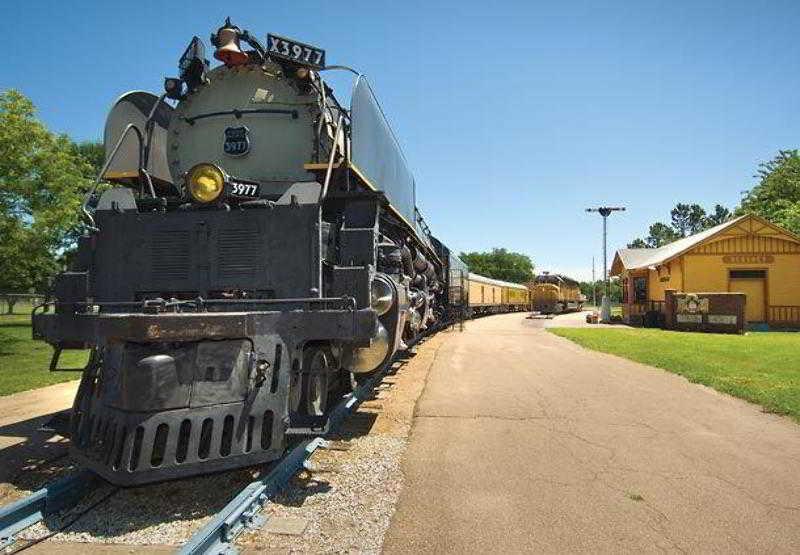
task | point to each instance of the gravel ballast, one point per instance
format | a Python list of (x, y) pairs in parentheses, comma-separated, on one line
[(348, 504)]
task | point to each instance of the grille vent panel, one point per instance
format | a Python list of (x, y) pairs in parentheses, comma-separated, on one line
[(170, 256), (236, 253)]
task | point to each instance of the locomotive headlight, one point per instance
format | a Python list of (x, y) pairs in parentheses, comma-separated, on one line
[(205, 182)]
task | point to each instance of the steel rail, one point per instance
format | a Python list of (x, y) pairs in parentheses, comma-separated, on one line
[(242, 512), (52, 498)]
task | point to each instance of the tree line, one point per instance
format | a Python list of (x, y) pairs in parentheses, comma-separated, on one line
[(500, 263), (776, 197), (589, 288)]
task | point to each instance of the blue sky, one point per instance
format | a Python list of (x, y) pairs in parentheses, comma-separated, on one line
[(514, 116)]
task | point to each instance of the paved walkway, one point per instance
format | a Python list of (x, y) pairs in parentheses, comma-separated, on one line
[(525, 441)]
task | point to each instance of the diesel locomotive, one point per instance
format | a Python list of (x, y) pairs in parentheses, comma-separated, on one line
[(555, 293), (258, 250)]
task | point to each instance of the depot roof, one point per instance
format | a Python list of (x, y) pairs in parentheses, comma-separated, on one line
[(634, 259)]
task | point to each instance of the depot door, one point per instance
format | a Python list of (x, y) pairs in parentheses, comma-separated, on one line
[(755, 289)]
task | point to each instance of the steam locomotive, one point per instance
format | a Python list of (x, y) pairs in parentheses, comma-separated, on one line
[(258, 251)]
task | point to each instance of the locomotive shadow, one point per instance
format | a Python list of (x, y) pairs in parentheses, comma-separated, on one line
[(361, 422), (30, 456), (358, 425), (300, 488)]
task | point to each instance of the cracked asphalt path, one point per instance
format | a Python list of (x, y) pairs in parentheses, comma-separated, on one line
[(523, 441)]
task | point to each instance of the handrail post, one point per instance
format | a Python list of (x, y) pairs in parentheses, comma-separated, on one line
[(334, 148), (104, 169)]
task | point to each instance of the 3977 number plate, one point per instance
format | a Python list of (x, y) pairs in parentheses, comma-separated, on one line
[(297, 52), (245, 190)]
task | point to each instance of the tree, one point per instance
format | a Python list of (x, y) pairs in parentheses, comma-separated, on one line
[(94, 153), (688, 219), (614, 289), (42, 180), (28, 264), (500, 264), (776, 197), (659, 235), (719, 216)]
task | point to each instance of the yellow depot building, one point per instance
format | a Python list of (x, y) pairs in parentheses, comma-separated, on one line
[(746, 254)]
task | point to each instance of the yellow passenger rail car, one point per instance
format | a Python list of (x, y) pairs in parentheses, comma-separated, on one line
[(490, 296)]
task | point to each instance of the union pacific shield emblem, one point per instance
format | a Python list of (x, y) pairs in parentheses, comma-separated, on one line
[(237, 141)]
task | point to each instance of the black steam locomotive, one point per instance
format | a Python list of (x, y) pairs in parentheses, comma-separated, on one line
[(259, 250)]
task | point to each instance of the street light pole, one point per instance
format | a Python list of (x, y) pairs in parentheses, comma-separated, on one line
[(605, 211), (605, 253)]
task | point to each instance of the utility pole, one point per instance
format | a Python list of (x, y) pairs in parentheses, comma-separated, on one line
[(605, 211), (594, 286)]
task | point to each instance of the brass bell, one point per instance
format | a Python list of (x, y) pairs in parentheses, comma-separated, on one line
[(228, 51)]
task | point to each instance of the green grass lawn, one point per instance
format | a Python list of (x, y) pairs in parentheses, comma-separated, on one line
[(24, 362), (763, 368)]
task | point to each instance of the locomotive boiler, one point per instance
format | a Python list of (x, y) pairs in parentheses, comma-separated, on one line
[(259, 251)]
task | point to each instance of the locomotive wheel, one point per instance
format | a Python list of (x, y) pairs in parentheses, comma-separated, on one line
[(317, 366)]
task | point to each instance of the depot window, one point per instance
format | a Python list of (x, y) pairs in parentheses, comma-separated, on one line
[(748, 274), (640, 289)]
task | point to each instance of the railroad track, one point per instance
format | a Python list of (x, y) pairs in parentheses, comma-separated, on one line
[(218, 535)]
